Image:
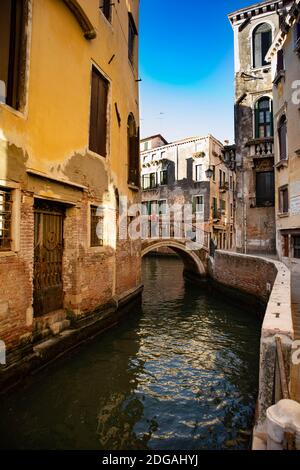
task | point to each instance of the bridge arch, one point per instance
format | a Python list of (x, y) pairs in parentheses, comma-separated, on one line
[(193, 264)]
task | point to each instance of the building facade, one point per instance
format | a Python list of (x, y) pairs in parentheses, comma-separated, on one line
[(255, 27), (285, 57), (69, 114), (177, 174)]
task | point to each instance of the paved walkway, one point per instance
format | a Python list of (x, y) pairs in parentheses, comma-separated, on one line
[(295, 268)]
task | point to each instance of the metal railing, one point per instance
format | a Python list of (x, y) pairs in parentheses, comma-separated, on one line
[(158, 227)]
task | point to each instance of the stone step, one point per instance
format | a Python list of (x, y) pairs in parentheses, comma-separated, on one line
[(58, 327)]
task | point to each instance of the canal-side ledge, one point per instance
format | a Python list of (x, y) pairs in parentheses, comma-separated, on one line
[(269, 281), (37, 356)]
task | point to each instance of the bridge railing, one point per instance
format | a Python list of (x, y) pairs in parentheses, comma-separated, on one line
[(158, 227)]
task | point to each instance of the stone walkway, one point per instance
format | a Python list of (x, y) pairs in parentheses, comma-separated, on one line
[(295, 268)]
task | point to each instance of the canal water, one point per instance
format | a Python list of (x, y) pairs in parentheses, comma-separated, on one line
[(182, 374)]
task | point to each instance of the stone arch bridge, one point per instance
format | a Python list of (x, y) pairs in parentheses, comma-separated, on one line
[(194, 257)]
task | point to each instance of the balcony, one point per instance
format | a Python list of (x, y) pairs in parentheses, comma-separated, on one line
[(261, 148)]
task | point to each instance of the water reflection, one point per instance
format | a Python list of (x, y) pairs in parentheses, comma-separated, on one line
[(182, 374)]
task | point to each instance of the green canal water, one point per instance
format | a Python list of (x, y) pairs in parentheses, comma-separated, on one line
[(182, 374)]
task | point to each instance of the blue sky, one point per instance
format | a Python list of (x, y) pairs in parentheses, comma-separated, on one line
[(186, 67)]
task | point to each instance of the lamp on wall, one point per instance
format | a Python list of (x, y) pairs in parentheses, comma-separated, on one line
[(210, 172)]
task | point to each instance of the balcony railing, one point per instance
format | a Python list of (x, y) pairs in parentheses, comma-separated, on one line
[(154, 226), (261, 148)]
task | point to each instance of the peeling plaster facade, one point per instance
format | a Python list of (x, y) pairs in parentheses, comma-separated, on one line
[(184, 182), (286, 92), (45, 156), (255, 229)]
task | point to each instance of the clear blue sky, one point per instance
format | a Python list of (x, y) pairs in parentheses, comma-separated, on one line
[(186, 67)]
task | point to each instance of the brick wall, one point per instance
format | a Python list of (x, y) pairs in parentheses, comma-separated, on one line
[(16, 273), (248, 274)]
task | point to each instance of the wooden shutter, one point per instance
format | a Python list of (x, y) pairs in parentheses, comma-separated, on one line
[(98, 121)]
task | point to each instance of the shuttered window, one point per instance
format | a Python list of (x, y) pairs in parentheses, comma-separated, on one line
[(282, 130), (5, 219), (12, 50), (198, 204), (265, 188), (262, 40), (133, 140), (98, 113)]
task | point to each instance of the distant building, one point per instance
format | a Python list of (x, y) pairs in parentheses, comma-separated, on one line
[(285, 57), (176, 173), (153, 142), (255, 28)]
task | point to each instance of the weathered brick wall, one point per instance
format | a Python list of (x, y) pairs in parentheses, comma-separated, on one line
[(16, 274), (248, 274), (128, 265)]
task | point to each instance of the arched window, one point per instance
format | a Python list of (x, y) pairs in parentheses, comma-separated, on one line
[(133, 152), (282, 138), (262, 40), (264, 118)]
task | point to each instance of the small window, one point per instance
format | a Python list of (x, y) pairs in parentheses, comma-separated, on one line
[(198, 204), (284, 200), (262, 40), (296, 244), (199, 173), (133, 146), (164, 177), (280, 61), (105, 6), (231, 182), (98, 113), (162, 207), (96, 227), (12, 51), (132, 33), (282, 138), (146, 146), (263, 118), (5, 219), (149, 181), (265, 188), (231, 210)]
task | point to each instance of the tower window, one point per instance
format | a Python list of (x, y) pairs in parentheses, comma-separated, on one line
[(262, 40)]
